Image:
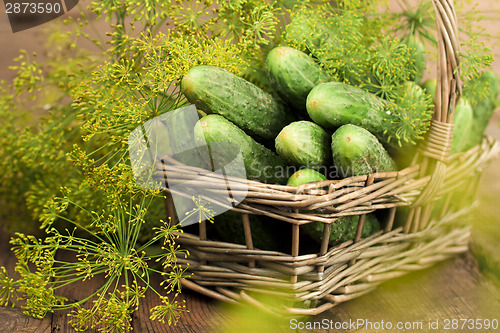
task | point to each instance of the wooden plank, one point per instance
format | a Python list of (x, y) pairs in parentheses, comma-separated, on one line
[(450, 290), (13, 320), (204, 314), (73, 292)]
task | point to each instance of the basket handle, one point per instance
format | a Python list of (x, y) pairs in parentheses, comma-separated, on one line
[(437, 145)]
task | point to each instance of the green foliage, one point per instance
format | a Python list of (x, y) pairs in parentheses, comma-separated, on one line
[(67, 121), (482, 88), (391, 65), (147, 12), (416, 20), (335, 38), (87, 105), (476, 58), (40, 128), (64, 162), (110, 249), (413, 110)]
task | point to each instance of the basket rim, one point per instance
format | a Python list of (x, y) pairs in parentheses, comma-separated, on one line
[(348, 196)]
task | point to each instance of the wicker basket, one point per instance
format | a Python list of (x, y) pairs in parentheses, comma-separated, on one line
[(319, 280)]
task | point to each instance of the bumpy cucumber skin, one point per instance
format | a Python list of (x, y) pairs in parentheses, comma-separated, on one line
[(305, 176), (304, 143), (462, 129), (343, 229), (356, 151), (293, 74), (260, 163), (216, 90), (334, 104)]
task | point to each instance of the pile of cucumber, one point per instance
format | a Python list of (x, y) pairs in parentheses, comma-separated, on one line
[(312, 128)]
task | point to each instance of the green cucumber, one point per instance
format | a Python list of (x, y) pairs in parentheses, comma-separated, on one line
[(260, 163), (356, 152), (293, 74), (216, 90), (304, 143), (334, 104), (462, 129), (305, 176), (484, 107), (342, 230)]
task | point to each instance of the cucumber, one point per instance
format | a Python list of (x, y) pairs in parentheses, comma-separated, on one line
[(334, 104), (260, 163), (343, 229), (216, 90), (304, 143), (293, 74), (462, 129), (305, 176), (484, 107), (356, 152)]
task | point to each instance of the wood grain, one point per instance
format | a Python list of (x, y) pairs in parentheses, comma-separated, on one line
[(203, 313), (14, 321), (451, 290)]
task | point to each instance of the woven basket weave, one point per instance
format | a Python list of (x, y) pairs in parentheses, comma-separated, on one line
[(320, 280)]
